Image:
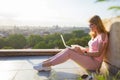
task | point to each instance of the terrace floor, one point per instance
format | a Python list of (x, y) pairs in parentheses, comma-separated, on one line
[(21, 68)]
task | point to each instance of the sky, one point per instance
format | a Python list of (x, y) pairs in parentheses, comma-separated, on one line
[(53, 12)]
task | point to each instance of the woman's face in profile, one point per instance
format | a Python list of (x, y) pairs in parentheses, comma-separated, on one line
[(92, 27)]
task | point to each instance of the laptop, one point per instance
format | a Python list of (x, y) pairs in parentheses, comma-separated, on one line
[(64, 42)]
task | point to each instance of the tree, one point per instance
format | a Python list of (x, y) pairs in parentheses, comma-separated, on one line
[(58, 44), (7, 47), (41, 45), (78, 33), (16, 41), (2, 42), (52, 37), (83, 41), (32, 40), (68, 36), (54, 41)]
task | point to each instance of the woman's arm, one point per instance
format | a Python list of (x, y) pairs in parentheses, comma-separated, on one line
[(81, 47), (102, 47)]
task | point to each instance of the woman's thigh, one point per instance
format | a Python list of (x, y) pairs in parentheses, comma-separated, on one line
[(87, 62)]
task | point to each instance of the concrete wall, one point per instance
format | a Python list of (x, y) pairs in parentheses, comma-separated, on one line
[(113, 51), (28, 52)]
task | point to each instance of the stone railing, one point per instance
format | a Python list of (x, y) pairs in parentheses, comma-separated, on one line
[(28, 52)]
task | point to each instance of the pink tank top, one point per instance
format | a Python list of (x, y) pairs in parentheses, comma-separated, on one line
[(94, 46)]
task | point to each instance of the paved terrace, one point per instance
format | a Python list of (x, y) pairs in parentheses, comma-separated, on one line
[(20, 67)]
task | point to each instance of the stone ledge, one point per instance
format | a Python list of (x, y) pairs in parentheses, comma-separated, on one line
[(28, 52)]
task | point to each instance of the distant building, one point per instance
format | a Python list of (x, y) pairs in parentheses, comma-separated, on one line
[(2, 35)]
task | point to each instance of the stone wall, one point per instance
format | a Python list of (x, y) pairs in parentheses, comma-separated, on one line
[(28, 52), (113, 52)]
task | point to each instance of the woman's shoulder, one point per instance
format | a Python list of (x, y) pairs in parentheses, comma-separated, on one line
[(104, 37)]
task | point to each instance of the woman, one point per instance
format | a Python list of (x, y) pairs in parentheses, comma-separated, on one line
[(89, 58)]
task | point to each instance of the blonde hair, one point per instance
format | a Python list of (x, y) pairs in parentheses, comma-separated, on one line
[(100, 27)]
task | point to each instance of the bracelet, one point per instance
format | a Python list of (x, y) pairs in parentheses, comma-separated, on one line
[(85, 53)]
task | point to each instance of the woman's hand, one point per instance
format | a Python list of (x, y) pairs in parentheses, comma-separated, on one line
[(78, 49)]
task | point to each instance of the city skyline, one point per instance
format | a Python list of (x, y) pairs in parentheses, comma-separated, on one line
[(52, 12)]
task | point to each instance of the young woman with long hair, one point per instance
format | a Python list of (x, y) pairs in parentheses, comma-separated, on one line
[(90, 58)]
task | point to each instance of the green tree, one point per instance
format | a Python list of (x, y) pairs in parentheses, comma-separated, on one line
[(52, 37), (32, 40), (74, 41), (68, 36), (83, 41), (58, 44), (78, 33), (7, 47), (41, 45), (16, 41), (54, 41), (2, 42)]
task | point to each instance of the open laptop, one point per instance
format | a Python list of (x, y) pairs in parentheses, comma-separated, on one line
[(64, 42)]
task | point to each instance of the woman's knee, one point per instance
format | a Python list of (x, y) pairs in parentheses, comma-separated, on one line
[(67, 50)]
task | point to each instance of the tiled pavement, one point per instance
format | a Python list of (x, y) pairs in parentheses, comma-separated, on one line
[(21, 68)]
